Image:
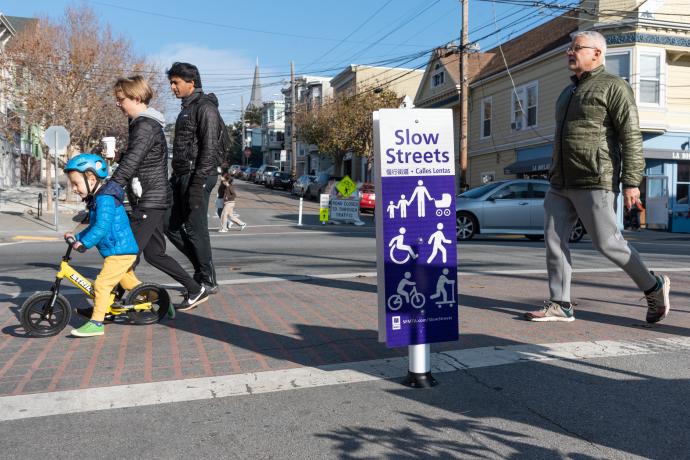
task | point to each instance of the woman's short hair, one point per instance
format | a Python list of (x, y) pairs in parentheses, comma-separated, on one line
[(186, 71), (135, 87)]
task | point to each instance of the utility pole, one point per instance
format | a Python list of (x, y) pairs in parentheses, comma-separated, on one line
[(246, 160), (293, 111), (463, 96)]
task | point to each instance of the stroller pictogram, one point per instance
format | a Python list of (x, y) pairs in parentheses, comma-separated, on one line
[(443, 205)]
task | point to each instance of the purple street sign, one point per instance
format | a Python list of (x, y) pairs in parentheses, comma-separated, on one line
[(415, 231)]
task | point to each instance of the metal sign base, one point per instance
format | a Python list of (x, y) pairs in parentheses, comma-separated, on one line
[(419, 371)]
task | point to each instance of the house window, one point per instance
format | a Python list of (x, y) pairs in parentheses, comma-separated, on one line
[(650, 78), (438, 79), (619, 64), (524, 105), (682, 182), (486, 117)]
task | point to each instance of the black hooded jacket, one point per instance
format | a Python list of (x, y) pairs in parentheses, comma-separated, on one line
[(146, 158), (197, 138)]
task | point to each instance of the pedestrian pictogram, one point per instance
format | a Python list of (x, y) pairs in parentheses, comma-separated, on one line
[(323, 215), (346, 186)]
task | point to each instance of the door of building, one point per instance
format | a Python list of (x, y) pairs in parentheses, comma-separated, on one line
[(657, 202)]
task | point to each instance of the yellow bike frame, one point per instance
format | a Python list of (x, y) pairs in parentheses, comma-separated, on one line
[(67, 272)]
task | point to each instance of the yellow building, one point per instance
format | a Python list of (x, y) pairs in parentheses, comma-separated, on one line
[(514, 87)]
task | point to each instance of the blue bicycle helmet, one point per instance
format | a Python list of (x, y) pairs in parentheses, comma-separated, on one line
[(88, 162)]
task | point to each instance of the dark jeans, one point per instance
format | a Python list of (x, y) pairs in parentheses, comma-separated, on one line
[(188, 229), (147, 225)]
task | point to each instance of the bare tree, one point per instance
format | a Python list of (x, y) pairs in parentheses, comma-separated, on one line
[(344, 124), (62, 73)]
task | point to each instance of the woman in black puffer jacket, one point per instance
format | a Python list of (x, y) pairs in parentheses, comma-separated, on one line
[(143, 172)]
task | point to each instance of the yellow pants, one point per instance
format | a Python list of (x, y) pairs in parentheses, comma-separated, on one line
[(116, 269)]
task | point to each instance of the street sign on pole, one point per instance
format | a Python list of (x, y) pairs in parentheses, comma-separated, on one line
[(415, 232), (57, 139)]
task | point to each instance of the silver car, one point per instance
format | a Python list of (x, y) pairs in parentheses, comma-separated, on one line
[(508, 206)]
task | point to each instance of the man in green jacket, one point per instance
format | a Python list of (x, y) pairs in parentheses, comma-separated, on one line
[(597, 148)]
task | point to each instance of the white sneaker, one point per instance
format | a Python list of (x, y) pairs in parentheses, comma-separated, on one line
[(222, 230), (242, 226)]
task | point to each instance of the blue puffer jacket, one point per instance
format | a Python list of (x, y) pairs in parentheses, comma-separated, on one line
[(108, 228)]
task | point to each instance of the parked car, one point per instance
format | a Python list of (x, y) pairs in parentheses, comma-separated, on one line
[(300, 186), (249, 173), (239, 172), (269, 178), (281, 180), (260, 176), (233, 170), (323, 183), (367, 197), (506, 207)]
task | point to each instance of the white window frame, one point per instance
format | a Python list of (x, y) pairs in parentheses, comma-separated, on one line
[(489, 100), (521, 92), (655, 52), (618, 52)]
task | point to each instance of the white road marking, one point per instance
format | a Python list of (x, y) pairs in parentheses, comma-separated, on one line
[(147, 394), (335, 276)]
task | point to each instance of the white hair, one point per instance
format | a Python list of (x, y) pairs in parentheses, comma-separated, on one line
[(598, 39)]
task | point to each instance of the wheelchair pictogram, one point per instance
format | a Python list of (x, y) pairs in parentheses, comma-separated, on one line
[(397, 245)]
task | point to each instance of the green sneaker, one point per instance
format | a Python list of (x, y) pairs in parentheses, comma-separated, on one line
[(89, 329)]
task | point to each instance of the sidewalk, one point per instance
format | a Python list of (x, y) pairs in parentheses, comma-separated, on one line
[(19, 214), (249, 328)]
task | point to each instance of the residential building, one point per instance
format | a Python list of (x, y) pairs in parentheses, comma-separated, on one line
[(20, 146), (272, 131), (513, 90), (357, 78), (310, 94)]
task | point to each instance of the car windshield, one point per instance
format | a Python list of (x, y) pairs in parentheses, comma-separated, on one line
[(479, 191)]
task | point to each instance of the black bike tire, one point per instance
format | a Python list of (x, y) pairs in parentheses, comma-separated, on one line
[(62, 307), (146, 317)]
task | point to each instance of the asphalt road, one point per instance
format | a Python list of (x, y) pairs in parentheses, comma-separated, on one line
[(624, 405)]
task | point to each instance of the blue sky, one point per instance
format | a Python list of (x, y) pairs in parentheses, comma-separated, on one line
[(224, 38)]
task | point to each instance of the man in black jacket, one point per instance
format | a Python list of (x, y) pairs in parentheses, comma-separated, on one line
[(143, 171), (196, 155)]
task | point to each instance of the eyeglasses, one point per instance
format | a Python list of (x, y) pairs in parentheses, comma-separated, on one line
[(119, 101), (576, 48)]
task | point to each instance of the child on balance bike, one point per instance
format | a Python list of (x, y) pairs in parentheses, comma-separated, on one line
[(108, 230)]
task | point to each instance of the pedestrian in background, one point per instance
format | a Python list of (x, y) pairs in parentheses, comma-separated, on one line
[(197, 152), (219, 199), (597, 147), (143, 172), (229, 205)]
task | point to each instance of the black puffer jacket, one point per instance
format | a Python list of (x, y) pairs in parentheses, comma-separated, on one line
[(146, 159), (197, 138)]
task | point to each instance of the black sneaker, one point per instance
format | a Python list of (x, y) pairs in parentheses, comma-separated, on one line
[(210, 288), (192, 301)]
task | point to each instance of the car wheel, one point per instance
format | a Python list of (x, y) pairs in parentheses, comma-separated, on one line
[(467, 226), (535, 237), (577, 232)]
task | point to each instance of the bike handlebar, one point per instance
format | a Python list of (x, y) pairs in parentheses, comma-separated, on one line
[(69, 240)]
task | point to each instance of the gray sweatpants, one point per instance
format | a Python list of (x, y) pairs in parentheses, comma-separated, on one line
[(596, 210)]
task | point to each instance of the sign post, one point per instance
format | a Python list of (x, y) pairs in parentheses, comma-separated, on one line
[(57, 139), (415, 233)]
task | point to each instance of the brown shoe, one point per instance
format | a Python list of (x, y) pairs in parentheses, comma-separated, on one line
[(552, 311)]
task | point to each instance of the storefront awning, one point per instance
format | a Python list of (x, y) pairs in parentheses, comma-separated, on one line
[(528, 166)]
